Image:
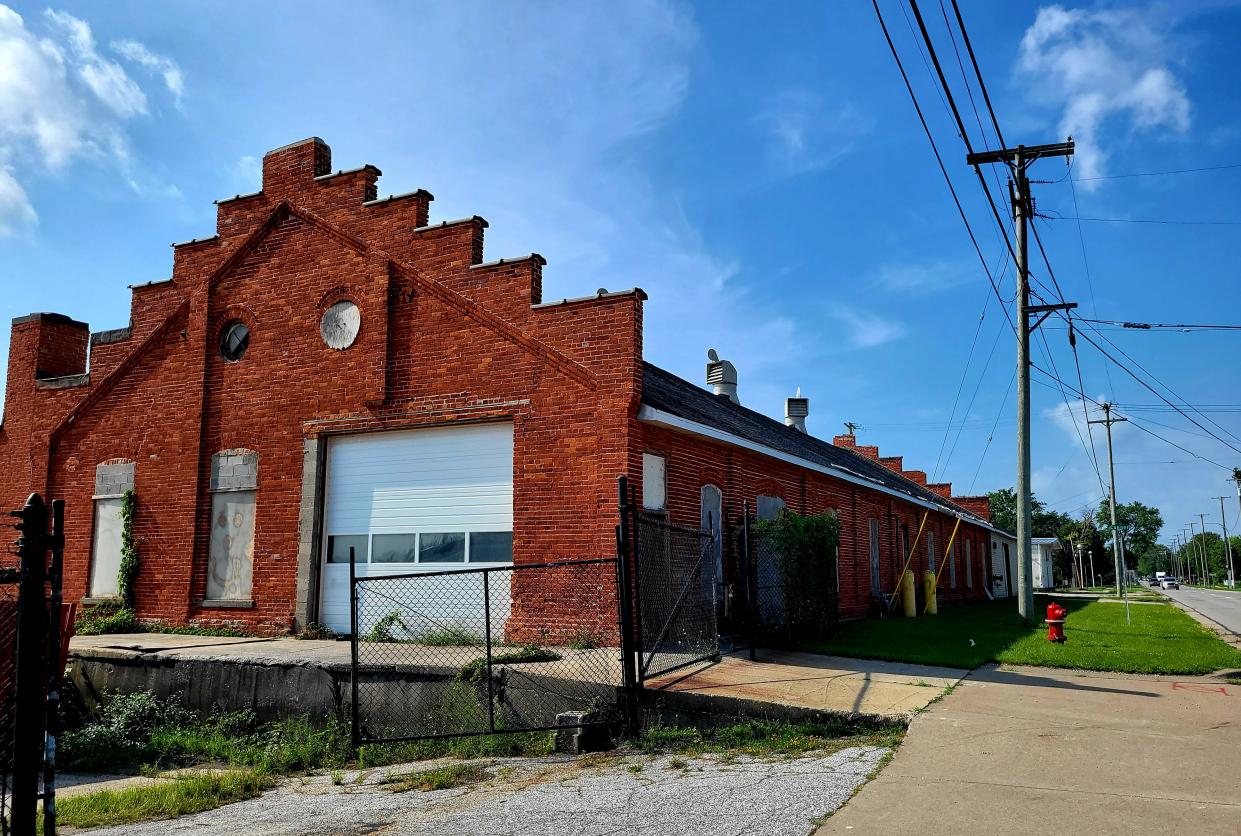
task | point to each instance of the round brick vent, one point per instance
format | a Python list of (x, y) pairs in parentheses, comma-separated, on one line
[(340, 325), (234, 340)]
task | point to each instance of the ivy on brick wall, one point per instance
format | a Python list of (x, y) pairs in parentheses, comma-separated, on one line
[(127, 576), (808, 546)]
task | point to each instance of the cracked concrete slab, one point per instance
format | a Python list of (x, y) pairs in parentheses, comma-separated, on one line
[(633, 794)]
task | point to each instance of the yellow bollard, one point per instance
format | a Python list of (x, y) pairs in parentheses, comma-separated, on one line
[(928, 587), (909, 604)]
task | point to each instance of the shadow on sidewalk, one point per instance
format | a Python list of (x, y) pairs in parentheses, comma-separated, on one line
[(992, 674)]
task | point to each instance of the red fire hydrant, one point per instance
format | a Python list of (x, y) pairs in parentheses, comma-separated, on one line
[(1055, 622)]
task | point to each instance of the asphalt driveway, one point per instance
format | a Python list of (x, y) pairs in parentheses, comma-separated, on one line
[(634, 794)]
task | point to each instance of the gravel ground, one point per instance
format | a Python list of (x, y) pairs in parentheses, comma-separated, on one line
[(590, 797)]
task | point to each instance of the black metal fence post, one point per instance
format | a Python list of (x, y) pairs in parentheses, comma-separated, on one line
[(624, 591), (29, 711), (751, 595), (491, 697), (354, 730)]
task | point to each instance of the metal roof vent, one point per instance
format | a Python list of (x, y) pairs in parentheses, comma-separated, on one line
[(721, 376), (796, 409)]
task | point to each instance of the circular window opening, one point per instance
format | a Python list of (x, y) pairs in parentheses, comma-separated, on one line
[(234, 340), (340, 325)]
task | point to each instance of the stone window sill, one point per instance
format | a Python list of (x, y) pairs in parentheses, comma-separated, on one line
[(95, 601), (227, 604)]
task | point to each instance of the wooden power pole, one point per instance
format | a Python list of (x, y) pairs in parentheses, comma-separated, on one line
[(1018, 160)]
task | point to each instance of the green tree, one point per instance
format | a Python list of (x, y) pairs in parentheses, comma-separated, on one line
[(1043, 523), (1138, 525)]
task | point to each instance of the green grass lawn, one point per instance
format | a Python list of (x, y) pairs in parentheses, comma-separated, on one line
[(1161, 639)]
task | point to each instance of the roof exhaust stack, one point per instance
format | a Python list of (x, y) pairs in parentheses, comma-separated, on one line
[(721, 376), (796, 409)]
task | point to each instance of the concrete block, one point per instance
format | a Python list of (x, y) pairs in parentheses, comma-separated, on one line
[(575, 737)]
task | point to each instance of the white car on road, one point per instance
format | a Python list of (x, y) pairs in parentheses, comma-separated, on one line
[(1167, 582)]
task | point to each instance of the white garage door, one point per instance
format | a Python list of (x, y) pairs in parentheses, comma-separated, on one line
[(416, 500)]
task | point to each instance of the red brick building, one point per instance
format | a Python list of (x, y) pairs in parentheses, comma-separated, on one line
[(330, 370)]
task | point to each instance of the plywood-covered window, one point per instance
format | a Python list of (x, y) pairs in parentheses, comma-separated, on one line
[(654, 482), (112, 481), (230, 560)]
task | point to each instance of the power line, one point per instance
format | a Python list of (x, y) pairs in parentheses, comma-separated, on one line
[(1149, 326), (943, 169), (1134, 421), (987, 446), (1155, 173), (956, 113), (1161, 221)]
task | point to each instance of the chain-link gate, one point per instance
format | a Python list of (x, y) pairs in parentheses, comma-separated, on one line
[(677, 595), (487, 650)]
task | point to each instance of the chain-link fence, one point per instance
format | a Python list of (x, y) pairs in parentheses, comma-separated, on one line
[(678, 595), (8, 683), (486, 650)]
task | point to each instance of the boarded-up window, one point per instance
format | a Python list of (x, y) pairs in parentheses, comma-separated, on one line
[(230, 562), (969, 566), (111, 482), (769, 507), (654, 482), (930, 550), (952, 566)]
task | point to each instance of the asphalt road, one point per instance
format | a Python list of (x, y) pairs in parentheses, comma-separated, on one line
[(1217, 605)]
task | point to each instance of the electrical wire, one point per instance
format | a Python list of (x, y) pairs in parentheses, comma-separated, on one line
[(943, 169), (1155, 173)]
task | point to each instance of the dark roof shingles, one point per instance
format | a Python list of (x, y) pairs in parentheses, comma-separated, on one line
[(665, 391)]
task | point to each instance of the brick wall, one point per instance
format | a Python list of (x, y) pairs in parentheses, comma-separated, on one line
[(744, 475), (444, 339)]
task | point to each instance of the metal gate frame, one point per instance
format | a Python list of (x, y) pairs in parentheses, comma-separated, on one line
[(645, 649)]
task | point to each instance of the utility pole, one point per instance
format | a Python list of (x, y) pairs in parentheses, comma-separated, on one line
[(1232, 578), (1206, 560), (1195, 551), (1107, 421), (1018, 160)]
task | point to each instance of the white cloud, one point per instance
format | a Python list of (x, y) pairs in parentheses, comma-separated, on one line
[(554, 158), (1101, 66), (804, 133), (928, 276), (16, 213), (60, 102), (106, 79), (166, 67), (867, 329)]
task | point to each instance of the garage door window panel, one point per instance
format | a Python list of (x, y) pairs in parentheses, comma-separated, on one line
[(441, 548), (491, 547)]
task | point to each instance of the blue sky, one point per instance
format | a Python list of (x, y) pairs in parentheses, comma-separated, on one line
[(762, 175)]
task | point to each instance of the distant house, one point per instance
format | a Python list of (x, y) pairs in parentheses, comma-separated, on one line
[(1042, 550)]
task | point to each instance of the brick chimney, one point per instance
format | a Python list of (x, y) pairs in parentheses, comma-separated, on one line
[(943, 489), (894, 463), (868, 451), (296, 162), (979, 506), (846, 440), (53, 344)]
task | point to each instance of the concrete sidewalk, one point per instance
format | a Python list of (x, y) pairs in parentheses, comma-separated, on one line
[(1036, 750), (815, 683)]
